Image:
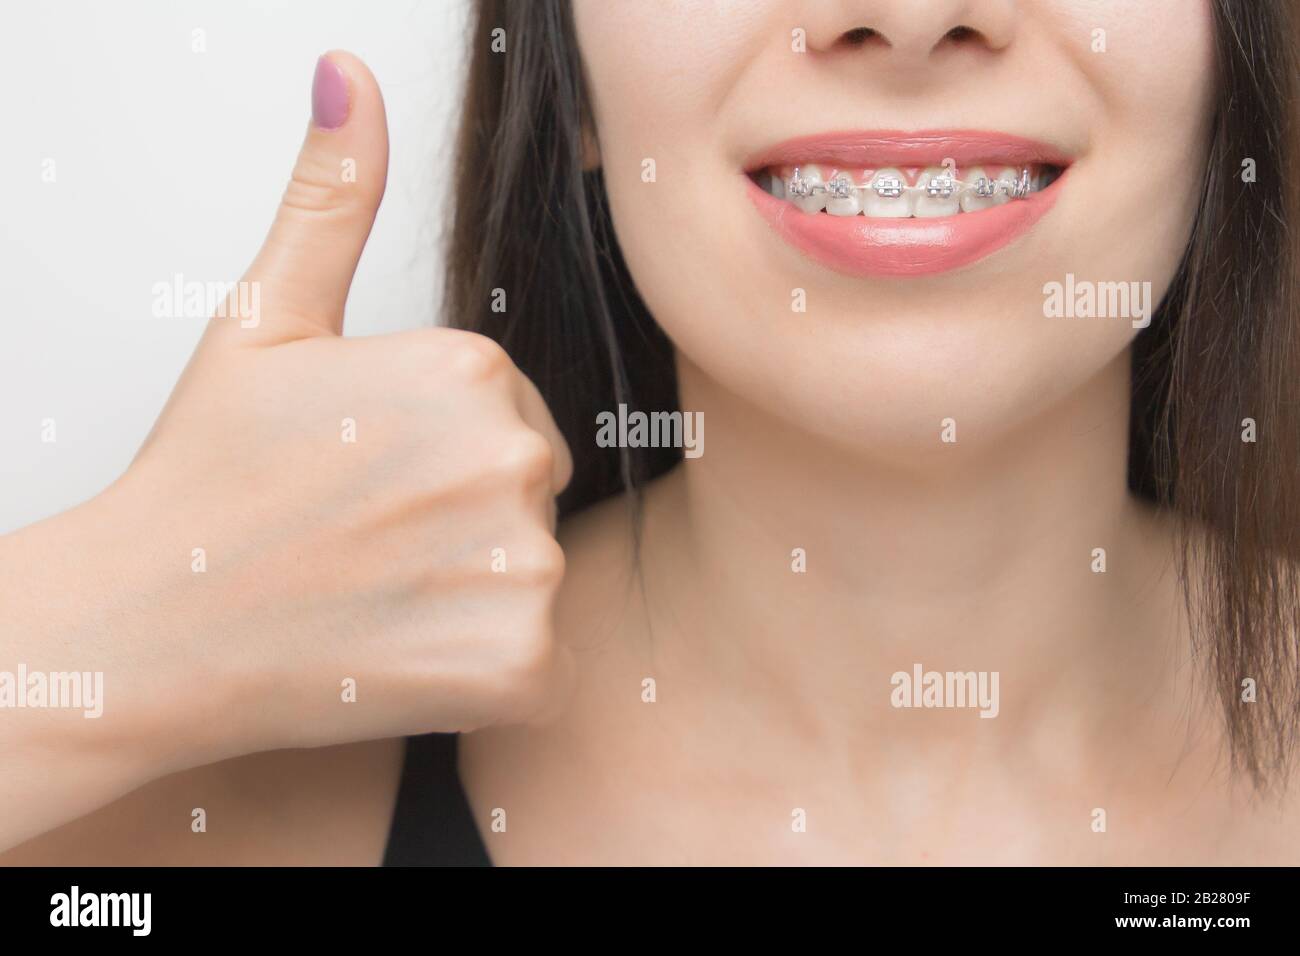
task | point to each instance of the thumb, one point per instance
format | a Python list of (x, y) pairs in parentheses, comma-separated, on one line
[(305, 267)]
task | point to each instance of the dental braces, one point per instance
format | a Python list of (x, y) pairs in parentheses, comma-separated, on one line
[(891, 187)]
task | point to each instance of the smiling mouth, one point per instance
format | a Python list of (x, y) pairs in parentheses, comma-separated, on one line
[(904, 204), (902, 193)]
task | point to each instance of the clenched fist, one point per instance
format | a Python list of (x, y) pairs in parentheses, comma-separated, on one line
[(360, 532)]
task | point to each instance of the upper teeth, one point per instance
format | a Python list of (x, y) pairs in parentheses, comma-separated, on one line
[(887, 185), (938, 190), (940, 187)]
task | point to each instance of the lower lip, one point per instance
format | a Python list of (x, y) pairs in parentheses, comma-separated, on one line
[(867, 247)]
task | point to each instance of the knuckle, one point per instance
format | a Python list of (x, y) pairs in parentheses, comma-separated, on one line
[(476, 358), (528, 457), (541, 564), (565, 476)]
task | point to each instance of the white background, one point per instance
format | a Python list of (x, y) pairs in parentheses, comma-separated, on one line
[(172, 161)]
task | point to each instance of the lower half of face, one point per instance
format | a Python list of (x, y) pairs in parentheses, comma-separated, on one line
[(865, 217)]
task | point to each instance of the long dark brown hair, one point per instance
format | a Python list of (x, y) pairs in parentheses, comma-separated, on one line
[(1224, 346)]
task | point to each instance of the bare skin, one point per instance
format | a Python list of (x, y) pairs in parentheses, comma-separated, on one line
[(709, 773), (322, 807)]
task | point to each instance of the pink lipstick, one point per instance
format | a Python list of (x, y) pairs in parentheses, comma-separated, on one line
[(953, 210)]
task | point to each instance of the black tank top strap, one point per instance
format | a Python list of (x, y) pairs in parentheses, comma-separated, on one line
[(432, 823)]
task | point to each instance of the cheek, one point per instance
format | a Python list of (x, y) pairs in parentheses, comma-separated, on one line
[(659, 101), (1152, 87), (664, 63)]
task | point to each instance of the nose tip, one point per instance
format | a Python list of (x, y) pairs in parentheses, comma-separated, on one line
[(911, 32)]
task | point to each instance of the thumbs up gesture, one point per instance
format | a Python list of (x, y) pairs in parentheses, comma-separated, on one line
[(347, 538)]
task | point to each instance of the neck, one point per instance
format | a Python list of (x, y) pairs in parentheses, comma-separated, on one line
[(979, 557)]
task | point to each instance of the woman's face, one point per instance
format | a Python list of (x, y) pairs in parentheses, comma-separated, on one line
[(924, 307)]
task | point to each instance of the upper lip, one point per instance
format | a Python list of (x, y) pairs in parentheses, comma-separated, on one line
[(873, 149)]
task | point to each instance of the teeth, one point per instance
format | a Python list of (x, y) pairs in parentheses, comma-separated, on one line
[(849, 205), (935, 182), (887, 207), (971, 201), (888, 194), (815, 202), (1007, 178)]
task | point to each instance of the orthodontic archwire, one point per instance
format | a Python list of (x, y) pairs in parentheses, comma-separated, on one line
[(840, 186)]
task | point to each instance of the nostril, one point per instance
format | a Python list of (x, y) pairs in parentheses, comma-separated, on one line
[(860, 36), (960, 34)]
